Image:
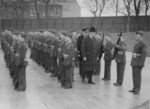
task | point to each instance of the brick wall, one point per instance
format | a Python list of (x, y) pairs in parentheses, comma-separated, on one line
[(105, 24)]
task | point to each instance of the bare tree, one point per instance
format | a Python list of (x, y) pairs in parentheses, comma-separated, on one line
[(101, 5), (37, 11), (114, 5), (137, 8), (92, 6), (127, 11), (18, 8), (46, 5), (96, 7), (117, 6), (147, 6)]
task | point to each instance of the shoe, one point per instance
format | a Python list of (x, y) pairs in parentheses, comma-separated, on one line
[(20, 90), (91, 82), (67, 87), (116, 84), (132, 91), (46, 71), (105, 79), (53, 76), (83, 80), (136, 92)]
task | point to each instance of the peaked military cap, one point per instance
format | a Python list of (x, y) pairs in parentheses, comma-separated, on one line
[(106, 34), (140, 33), (85, 29)]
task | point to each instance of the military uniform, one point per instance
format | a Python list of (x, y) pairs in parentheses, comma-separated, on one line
[(68, 66), (99, 51), (22, 49), (55, 65), (121, 62), (108, 59), (15, 51), (137, 63), (60, 61), (79, 43)]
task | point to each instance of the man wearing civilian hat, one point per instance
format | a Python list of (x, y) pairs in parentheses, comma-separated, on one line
[(85, 32), (120, 60), (90, 55), (137, 61), (108, 49)]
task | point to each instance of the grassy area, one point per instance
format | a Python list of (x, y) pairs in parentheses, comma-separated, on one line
[(130, 40)]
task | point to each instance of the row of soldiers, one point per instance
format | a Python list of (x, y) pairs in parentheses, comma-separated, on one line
[(55, 52), (14, 47), (90, 54)]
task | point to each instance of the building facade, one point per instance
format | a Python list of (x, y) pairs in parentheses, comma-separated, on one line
[(26, 9)]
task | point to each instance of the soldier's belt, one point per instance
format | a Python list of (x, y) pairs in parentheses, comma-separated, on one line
[(136, 54), (65, 55), (121, 52)]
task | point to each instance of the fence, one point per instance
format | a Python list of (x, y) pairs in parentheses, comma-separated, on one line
[(106, 24)]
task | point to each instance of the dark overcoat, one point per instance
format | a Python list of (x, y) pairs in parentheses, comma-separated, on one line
[(89, 50)]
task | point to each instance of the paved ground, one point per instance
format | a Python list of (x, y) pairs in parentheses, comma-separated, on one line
[(44, 92)]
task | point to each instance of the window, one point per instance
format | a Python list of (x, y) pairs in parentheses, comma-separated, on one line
[(57, 11), (32, 12)]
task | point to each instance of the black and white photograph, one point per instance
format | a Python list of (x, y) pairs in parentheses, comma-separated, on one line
[(74, 54)]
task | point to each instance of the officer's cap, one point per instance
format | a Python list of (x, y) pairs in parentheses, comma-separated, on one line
[(139, 32), (85, 29), (106, 34)]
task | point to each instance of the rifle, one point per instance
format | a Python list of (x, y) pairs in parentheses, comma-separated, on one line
[(101, 49), (116, 50)]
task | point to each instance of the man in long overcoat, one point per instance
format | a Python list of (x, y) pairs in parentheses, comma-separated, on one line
[(90, 55), (85, 32)]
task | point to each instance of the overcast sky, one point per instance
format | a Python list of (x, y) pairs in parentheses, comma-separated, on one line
[(84, 10), (107, 12)]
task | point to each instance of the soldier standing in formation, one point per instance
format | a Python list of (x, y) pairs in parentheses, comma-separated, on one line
[(99, 43), (68, 62), (137, 61), (56, 53), (108, 48), (120, 60), (15, 49), (20, 66), (56, 56)]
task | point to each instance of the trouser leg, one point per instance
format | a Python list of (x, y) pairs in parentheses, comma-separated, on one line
[(136, 78), (107, 72)]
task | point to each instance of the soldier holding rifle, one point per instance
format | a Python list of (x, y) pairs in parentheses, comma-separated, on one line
[(120, 57), (108, 48)]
